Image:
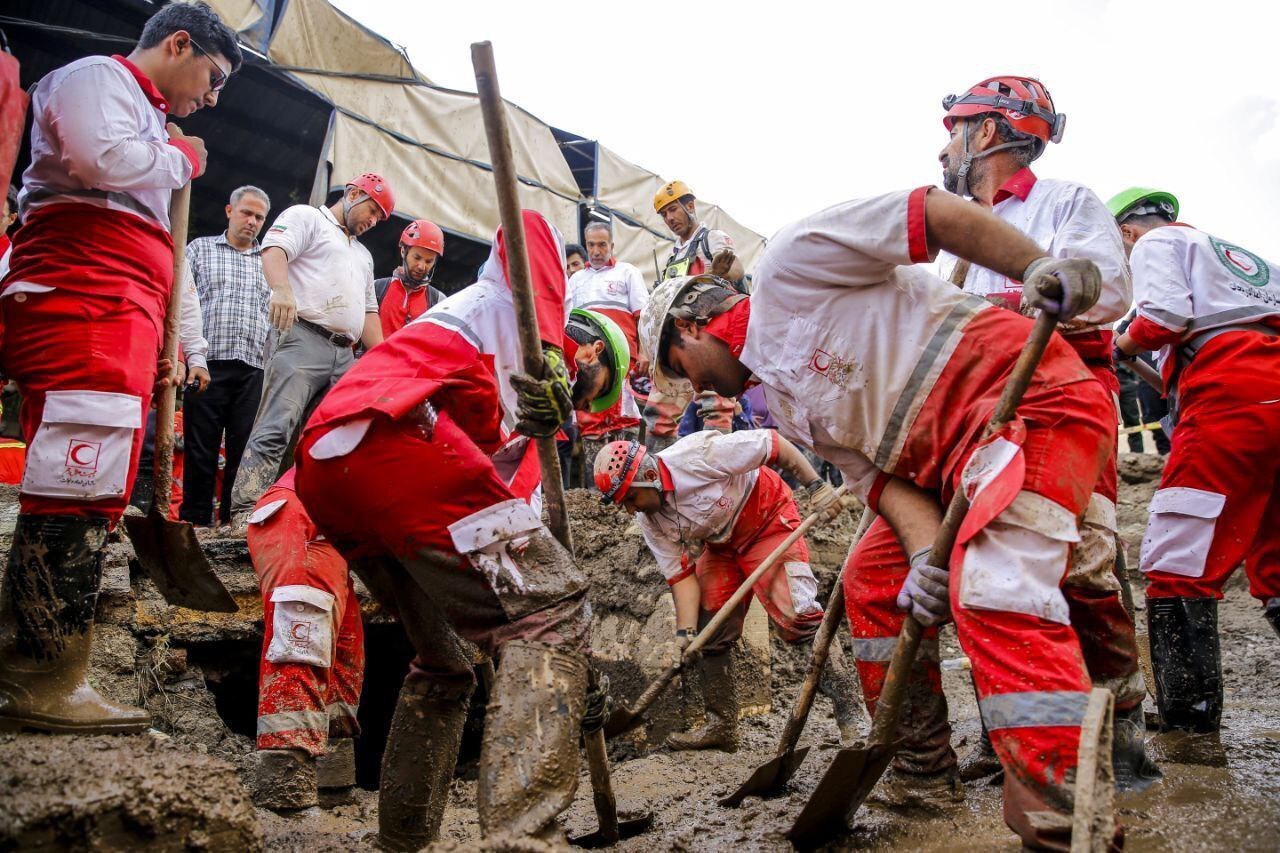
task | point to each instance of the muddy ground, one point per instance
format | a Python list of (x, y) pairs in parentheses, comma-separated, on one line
[(192, 675)]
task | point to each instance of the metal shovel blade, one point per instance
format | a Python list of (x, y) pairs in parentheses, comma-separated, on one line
[(170, 555), (626, 829), (847, 782), (769, 778)]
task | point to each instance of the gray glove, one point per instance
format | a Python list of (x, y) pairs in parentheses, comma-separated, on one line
[(924, 594), (685, 637), (1079, 280)]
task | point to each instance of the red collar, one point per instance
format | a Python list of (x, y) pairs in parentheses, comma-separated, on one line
[(731, 326), (144, 82), (613, 262), (1019, 185), (668, 485)]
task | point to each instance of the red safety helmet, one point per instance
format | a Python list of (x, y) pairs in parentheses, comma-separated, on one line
[(1023, 101), (424, 234), (616, 467), (376, 187)]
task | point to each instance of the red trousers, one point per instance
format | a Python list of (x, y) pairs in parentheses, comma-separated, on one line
[(788, 591), (313, 646), (86, 366), (392, 498), (1219, 499), (1028, 669)]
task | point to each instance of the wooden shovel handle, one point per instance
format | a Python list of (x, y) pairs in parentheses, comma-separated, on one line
[(167, 402), (505, 179)]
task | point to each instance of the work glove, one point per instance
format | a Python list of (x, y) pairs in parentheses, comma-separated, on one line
[(1079, 280), (925, 595), (542, 405), (599, 704), (685, 637), (824, 500)]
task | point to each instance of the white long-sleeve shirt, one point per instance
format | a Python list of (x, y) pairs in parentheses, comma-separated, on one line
[(191, 323)]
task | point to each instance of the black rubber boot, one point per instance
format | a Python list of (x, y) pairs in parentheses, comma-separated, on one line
[(418, 765), (1272, 612), (1134, 770), (720, 704), (1186, 662), (47, 607)]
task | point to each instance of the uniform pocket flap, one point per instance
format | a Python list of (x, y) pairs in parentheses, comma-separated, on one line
[(1046, 517), (501, 522), (304, 594), (264, 512), (1187, 501), (96, 408)]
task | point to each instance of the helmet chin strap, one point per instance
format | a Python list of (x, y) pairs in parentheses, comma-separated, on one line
[(966, 162), (408, 277), (347, 204)]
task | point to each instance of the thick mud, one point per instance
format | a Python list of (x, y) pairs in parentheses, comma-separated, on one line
[(1223, 796)]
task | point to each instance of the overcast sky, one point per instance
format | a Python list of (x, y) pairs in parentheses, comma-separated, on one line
[(776, 111)]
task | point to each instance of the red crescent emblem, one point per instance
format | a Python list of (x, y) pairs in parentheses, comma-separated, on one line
[(77, 449)]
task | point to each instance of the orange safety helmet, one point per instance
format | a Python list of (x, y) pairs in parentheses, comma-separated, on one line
[(376, 187), (424, 234), (616, 467), (1023, 101)]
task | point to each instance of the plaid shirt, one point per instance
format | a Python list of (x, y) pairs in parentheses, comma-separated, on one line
[(233, 298)]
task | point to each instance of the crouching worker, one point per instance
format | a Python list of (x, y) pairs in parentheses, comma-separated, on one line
[(712, 492), (312, 656)]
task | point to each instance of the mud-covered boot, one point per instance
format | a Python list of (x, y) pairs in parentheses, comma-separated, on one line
[(840, 686), (336, 772), (982, 762), (1272, 612), (720, 704), (924, 773), (47, 608), (1134, 769), (529, 758), (283, 780), (1186, 662), (418, 765)]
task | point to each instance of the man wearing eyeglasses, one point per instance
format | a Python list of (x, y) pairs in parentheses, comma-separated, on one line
[(83, 334)]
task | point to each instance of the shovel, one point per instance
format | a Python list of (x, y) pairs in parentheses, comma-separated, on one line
[(855, 771), (624, 719), (769, 777), (504, 175), (167, 550)]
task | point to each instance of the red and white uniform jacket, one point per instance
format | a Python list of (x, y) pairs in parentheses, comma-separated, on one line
[(401, 304), (618, 291), (707, 478), (1067, 220), (1188, 283), (101, 174), (483, 316)]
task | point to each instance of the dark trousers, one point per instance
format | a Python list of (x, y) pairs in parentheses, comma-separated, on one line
[(227, 406)]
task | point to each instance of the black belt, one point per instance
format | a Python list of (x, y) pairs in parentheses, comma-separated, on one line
[(338, 340)]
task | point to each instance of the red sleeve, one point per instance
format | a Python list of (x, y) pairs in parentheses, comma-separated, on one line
[(917, 239), (877, 488), (190, 153), (1151, 335), (546, 272), (773, 448)]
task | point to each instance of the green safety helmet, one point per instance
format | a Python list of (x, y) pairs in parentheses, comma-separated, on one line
[(617, 352), (1142, 201)]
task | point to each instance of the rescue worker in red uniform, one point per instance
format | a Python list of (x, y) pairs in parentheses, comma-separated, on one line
[(715, 493), (395, 468), (82, 337), (998, 128), (891, 373), (312, 655), (408, 294), (1212, 309)]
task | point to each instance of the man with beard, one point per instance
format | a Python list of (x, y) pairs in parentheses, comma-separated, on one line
[(397, 470), (322, 302), (998, 127), (407, 293), (877, 365), (615, 289)]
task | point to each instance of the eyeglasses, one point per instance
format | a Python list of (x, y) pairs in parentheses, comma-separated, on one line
[(219, 77)]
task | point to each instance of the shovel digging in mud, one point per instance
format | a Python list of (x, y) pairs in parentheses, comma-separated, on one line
[(504, 174), (168, 550), (769, 778), (624, 719), (854, 771)]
